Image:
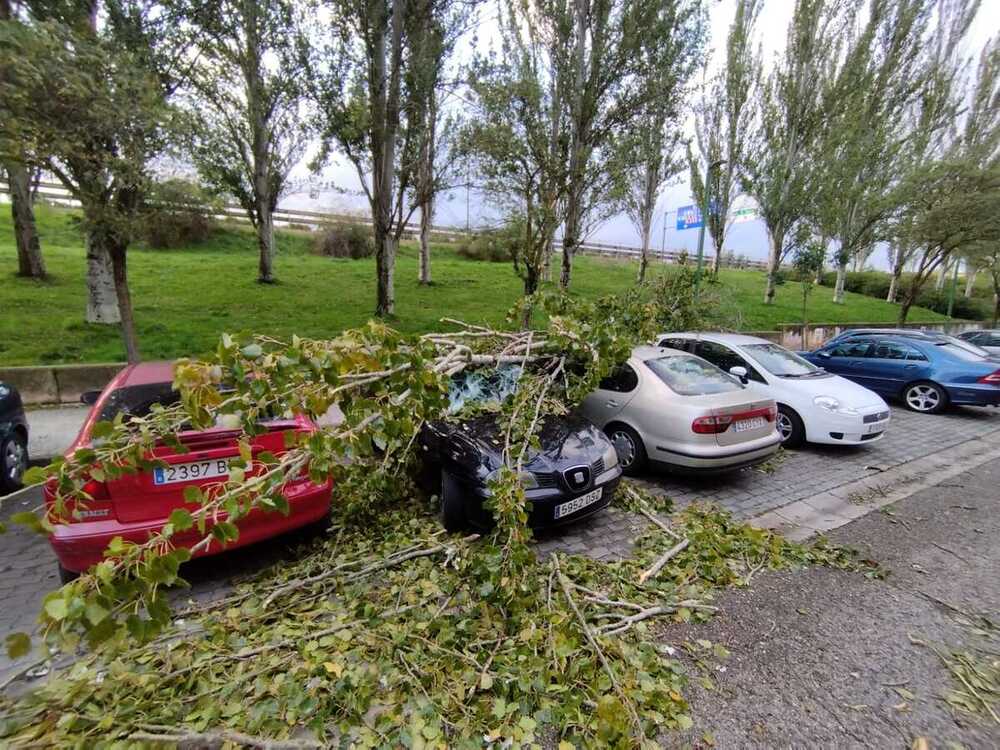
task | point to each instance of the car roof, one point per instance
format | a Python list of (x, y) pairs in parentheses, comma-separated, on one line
[(649, 352), (147, 373), (736, 339), (909, 332)]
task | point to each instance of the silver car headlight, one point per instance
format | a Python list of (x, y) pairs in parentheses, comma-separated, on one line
[(832, 405), (527, 479), (610, 457)]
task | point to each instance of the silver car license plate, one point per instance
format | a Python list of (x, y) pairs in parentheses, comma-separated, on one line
[(873, 428), (749, 424), (576, 504)]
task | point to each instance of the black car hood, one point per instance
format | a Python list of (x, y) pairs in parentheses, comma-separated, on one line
[(565, 441)]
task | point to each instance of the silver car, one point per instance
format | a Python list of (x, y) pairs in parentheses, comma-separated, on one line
[(672, 409), (985, 339)]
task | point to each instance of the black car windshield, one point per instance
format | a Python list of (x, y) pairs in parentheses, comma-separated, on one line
[(489, 387), (691, 376), (777, 360)]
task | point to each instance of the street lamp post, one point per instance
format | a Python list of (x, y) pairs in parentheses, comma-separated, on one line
[(704, 220)]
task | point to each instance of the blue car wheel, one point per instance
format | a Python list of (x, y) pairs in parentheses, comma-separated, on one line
[(926, 398)]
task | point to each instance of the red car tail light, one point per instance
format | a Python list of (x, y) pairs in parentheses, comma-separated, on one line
[(98, 507), (991, 379), (711, 425)]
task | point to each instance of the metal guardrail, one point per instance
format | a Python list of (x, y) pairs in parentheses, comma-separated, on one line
[(56, 193)]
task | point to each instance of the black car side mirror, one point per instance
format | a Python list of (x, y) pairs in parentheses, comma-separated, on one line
[(89, 397), (824, 355)]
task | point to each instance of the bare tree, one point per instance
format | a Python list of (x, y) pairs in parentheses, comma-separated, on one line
[(722, 123), (246, 102), (789, 112), (615, 58), (88, 85), (30, 263), (375, 97)]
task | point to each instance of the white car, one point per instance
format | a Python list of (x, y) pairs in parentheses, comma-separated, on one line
[(813, 405)]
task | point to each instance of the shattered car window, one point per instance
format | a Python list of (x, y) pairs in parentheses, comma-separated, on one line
[(483, 388)]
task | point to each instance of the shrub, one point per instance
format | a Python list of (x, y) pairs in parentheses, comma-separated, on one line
[(345, 241), (492, 245), (178, 213), (967, 309)]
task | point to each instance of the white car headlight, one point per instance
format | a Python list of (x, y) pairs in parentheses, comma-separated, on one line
[(830, 404), (610, 458), (527, 479)]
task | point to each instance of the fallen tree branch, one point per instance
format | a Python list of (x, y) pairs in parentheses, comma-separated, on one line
[(627, 621), (217, 738), (565, 584), (666, 529), (664, 559)]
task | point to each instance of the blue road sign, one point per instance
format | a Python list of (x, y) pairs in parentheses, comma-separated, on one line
[(688, 217)]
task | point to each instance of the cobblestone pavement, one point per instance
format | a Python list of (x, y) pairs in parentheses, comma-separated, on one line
[(28, 567)]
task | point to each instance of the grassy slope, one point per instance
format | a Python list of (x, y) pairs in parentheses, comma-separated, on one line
[(184, 298)]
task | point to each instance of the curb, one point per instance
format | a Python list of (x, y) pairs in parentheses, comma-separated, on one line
[(59, 384), (834, 508)]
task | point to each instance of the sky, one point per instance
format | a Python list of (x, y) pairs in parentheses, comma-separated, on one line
[(749, 239)]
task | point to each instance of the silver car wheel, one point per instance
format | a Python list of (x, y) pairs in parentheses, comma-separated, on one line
[(785, 426), (923, 398), (14, 461), (624, 447)]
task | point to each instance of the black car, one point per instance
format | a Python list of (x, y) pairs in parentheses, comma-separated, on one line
[(573, 476), (13, 439)]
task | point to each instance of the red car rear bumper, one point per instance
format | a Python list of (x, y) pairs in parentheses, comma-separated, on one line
[(80, 545)]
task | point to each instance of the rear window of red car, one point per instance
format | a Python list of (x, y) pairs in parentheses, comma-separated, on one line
[(137, 400)]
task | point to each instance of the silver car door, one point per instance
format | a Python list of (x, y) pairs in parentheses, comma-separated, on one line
[(613, 395)]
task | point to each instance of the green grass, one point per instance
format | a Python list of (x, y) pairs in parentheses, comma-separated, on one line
[(185, 298)]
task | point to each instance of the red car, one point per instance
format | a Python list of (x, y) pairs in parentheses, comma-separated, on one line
[(137, 505)]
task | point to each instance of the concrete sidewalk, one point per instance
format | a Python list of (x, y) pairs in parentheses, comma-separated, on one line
[(52, 429)]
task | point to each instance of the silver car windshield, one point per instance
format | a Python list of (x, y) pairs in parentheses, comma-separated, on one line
[(967, 345), (690, 376), (777, 360)]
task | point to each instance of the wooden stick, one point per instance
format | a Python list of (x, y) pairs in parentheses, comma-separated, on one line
[(664, 559)]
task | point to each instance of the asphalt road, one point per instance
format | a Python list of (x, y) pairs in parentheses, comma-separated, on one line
[(826, 658)]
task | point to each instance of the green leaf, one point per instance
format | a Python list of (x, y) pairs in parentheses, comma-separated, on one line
[(34, 475), (56, 608), (181, 519), (102, 430), (684, 722), (18, 644), (96, 613), (252, 351), (193, 494)]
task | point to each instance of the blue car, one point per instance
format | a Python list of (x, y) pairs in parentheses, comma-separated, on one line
[(927, 375)]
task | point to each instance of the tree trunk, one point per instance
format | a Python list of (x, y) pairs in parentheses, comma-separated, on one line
[(996, 308), (265, 242), (904, 308), (897, 274), (570, 239), (644, 258), (838, 290), (426, 214), (29, 252), (970, 280), (818, 280), (942, 277), (773, 261), (102, 301), (117, 251), (385, 268)]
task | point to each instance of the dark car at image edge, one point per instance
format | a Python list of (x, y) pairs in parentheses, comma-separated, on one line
[(13, 439)]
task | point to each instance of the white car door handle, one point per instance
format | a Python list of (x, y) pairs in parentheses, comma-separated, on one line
[(612, 404)]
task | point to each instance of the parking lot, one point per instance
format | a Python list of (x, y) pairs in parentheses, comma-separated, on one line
[(28, 568)]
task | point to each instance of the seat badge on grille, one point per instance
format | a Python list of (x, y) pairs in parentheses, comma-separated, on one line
[(579, 477)]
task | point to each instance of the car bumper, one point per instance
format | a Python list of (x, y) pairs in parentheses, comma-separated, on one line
[(848, 429), (973, 394), (545, 501), (80, 545), (710, 459)]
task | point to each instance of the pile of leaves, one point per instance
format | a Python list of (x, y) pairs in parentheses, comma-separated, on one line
[(387, 633)]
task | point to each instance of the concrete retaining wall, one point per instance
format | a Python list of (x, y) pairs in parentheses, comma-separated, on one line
[(58, 384)]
